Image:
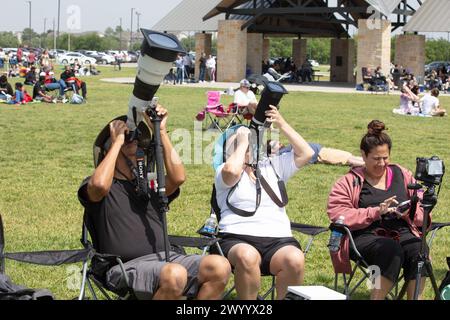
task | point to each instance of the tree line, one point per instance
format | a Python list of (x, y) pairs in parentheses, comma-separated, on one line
[(317, 48)]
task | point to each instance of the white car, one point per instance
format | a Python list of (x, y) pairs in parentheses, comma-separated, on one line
[(106, 58), (70, 57), (314, 63)]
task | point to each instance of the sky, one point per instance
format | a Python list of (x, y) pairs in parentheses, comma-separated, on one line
[(82, 15)]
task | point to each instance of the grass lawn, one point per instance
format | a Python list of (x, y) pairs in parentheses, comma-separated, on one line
[(46, 151)]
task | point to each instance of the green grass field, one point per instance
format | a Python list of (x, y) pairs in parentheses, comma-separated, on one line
[(46, 151)]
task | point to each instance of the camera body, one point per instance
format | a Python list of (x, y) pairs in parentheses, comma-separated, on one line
[(430, 170), (271, 95)]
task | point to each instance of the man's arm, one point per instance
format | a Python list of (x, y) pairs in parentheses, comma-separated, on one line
[(101, 181)]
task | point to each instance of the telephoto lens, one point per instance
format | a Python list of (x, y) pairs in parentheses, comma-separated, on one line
[(158, 52)]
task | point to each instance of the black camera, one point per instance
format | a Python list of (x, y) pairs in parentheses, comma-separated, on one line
[(430, 170), (271, 95)]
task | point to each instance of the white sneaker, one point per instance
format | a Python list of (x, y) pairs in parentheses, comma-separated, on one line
[(64, 100)]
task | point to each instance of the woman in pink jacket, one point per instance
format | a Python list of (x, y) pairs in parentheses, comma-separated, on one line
[(367, 197)]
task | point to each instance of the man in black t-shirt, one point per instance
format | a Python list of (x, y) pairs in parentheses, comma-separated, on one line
[(39, 92), (123, 223)]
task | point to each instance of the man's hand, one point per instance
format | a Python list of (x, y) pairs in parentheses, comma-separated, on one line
[(160, 111), (117, 130)]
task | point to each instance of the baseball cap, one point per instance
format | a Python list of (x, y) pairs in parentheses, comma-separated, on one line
[(42, 74), (245, 83)]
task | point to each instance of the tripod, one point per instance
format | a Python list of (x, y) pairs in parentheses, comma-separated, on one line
[(423, 260)]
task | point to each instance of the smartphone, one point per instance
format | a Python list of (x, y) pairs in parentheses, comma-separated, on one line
[(403, 206)]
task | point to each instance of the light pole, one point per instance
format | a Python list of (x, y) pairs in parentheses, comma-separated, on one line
[(44, 44), (59, 15), (138, 14), (120, 35), (29, 20), (131, 29)]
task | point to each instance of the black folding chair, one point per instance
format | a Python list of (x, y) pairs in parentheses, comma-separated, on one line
[(360, 264), (46, 258), (94, 271)]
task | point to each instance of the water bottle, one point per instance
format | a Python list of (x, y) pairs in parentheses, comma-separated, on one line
[(210, 225), (336, 236)]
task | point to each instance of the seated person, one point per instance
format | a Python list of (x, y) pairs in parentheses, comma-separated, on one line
[(50, 83), (128, 225), (68, 76), (260, 241), (19, 94), (93, 70), (245, 98), (6, 90), (39, 92), (366, 197), (430, 104), (367, 75), (30, 77), (272, 73), (321, 154), (381, 79), (407, 102), (306, 71)]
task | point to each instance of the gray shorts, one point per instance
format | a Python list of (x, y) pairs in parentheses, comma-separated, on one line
[(143, 274)]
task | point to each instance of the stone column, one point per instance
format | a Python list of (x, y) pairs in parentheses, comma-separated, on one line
[(299, 51), (374, 45), (342, 60), (202, 44), (255, 52), (266, 49), (410, 53), (231, 51)]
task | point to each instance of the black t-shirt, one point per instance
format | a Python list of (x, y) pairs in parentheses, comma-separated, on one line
[(372, 197), (6, 87), (36, 89), (122, 223)]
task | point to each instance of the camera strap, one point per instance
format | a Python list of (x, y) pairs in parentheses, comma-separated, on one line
[(260, 181)]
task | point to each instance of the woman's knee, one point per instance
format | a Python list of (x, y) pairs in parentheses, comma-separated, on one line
[(247, 258)]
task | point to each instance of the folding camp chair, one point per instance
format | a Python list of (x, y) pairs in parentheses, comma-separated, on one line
[(309, 230), (360, 264), (94, 271), (214, 114), (46, 258)]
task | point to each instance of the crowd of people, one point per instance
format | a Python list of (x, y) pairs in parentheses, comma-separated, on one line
[(38, 72)]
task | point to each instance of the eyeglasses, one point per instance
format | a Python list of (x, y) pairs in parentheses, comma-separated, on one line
[(381, 232)]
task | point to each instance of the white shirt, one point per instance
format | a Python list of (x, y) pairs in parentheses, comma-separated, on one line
[(269, 220), (243, 99), (429, 103), (211, 63)]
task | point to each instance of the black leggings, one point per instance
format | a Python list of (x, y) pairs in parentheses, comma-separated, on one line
[(390, 255)]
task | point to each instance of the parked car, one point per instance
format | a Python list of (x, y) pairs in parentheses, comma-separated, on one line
[(106, 58), (436, 65), (314, 63), (70, 57)]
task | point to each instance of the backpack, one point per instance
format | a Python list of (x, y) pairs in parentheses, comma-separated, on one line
[(11, 291), (76, 99)]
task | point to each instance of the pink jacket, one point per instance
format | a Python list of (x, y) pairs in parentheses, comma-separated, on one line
[(343, 201)]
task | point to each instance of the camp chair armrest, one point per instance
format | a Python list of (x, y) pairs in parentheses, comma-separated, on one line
[(307, 229), (52, 258), (192, 242), (346, 230)]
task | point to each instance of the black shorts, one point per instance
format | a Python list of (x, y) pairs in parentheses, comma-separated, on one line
[(266, 246)]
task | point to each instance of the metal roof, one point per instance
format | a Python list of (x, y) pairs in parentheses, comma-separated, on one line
[(188, 16), (386, 7), (432, 16)]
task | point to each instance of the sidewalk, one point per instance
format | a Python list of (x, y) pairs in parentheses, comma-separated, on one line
[(325, 87)]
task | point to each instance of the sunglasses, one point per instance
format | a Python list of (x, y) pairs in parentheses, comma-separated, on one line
[(381, 232)]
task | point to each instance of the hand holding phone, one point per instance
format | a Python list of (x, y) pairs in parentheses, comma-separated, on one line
[(402, 208)]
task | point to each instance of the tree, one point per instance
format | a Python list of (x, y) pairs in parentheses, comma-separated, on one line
[(28, 34), (8, 40)]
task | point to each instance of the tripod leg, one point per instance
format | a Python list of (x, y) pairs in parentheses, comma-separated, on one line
[(418, 277), (433, 279)]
